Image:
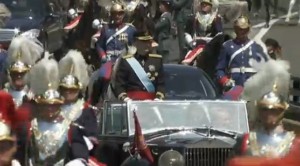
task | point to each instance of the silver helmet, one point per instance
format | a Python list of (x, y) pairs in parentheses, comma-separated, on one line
[(18, 66), (270, 86), (44, 80), (272, 100), (73, 71)]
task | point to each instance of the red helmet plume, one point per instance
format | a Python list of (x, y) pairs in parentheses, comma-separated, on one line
[(8, 113)]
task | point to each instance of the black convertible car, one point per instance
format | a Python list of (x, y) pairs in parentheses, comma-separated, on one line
[(190, 125), (43, 15), (192, 133)]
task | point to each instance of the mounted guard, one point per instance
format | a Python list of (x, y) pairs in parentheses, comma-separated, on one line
[(269, 90), (269, 143), (53, 135), (115, 36), (73, 82), (207, 24), (237, 57), (22, 54), (48, 142)]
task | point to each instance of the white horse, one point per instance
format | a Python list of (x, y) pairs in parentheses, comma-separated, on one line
[(291, 6)]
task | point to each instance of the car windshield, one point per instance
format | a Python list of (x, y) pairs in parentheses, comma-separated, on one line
[(25, 8), (157, 116)]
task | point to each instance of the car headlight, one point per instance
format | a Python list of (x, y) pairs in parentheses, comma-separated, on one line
[(171, 158)]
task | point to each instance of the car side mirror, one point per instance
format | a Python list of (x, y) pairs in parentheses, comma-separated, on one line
[(97, 24), (72, 13)]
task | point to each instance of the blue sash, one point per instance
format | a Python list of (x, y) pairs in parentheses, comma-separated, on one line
[(141, 74)]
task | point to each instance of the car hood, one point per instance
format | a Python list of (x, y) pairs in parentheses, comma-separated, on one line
[(23, 23), (192, 139)]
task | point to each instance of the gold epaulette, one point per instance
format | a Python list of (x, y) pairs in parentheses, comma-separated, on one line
[(127, 56), (155, 55)]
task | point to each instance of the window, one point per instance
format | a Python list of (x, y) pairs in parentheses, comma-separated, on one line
[(115, 122)]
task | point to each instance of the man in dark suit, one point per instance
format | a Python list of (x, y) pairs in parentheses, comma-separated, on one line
[(140, 73)]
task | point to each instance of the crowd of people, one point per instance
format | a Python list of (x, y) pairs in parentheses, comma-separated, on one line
[(48, 114)]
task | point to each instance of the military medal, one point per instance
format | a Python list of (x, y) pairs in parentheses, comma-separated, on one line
[(151, 68), (149, 74), (123, 37)]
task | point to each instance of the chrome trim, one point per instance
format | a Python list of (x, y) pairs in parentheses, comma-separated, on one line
[(207, 156), (7, 35)]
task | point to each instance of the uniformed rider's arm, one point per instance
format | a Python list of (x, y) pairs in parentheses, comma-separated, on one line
[(88, 121), (101, 44), (160, 83), (121, 79), (78, 146), (222, 66)]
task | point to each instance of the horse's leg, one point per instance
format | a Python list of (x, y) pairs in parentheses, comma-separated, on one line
[(292, 3)]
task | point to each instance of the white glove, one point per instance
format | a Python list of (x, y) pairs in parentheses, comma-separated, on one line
[(72, 13), (188, 38), (127, 99), (157, 99), (77, 162), (229, 84), (88, 143)]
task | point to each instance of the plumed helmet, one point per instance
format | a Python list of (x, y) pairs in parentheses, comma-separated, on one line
[(73, 71), (116, 7), (242, 22), (24, 49), (18, 66), (273, 100), (269, 87), (44, 80)]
